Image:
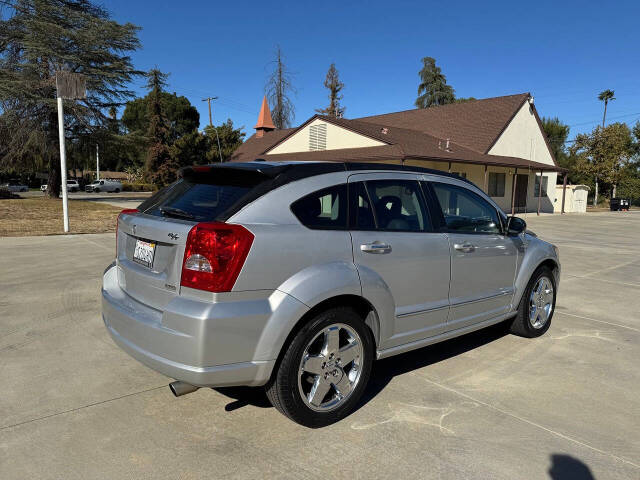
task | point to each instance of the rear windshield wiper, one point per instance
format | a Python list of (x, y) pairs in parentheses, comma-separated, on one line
[(176, 212)]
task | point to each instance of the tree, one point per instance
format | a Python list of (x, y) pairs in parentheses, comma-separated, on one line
[(605, 153), (160, 167), (433, 89), (230, 139), (557, 134), (190, 149), (39, 38), (182, 117), (606, 96), (278, 90), (334, 85), (464, 99)]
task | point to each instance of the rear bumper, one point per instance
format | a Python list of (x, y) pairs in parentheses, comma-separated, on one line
[(246, 373), (201, 343)]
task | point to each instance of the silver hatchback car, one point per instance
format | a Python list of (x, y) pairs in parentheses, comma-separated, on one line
[(297, 276)]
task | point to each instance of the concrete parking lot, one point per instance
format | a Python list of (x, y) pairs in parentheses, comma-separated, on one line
[(488, 405)]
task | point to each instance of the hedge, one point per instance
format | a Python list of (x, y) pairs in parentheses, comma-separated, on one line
[(138, 187)]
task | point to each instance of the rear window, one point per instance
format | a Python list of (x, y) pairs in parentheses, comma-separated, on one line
[(203, 198)]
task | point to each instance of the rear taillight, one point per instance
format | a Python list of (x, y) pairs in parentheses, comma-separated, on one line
[(126, 211), (214, 255)]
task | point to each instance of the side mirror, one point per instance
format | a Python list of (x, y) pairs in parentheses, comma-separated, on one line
[(516, 226)]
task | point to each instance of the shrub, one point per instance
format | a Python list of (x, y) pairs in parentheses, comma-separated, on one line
[(138, 187)]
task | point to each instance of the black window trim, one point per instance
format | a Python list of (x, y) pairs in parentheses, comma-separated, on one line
[(429, 227), (352, 217), (437, 210)]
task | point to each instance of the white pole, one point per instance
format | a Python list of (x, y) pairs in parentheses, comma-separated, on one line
[(63, 165), (97, 163)]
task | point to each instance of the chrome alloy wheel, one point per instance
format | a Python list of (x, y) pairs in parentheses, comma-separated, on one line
[(330, 367), (541, 303)]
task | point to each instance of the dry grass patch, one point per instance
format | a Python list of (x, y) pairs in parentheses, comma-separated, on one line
[(43, 216)]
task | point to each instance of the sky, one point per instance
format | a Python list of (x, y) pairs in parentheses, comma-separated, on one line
[(563, 52)]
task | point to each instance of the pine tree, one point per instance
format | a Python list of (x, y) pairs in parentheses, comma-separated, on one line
[(334, 85), (160, 167), (433, 89)]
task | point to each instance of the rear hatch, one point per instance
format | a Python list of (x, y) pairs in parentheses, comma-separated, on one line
[(151, 242)]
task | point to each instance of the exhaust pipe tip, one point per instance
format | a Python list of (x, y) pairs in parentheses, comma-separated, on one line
[(179, 388)]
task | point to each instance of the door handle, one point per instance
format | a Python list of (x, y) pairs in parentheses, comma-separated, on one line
[(465, 247), (375, 247)]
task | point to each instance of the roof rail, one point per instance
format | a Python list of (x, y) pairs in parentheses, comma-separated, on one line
[(352, 166)]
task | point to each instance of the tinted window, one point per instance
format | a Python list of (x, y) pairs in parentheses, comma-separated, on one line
[(544, 186), (202, 202), (325, 209), (464, 211), (398, 205), (496, 184), (361, 210)]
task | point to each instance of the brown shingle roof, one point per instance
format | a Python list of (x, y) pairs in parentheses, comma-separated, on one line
[(254, 146), (476, 124), (472, 128)]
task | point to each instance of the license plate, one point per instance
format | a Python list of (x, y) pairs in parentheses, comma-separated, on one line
[(144, 252)]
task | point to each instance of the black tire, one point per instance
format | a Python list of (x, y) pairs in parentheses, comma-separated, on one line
[(96, 190), (117, 190), (521, 324), (283, 390)]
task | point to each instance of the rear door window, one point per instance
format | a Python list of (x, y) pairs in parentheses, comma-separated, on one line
[(398, 205), (325, 209), (361, 212)]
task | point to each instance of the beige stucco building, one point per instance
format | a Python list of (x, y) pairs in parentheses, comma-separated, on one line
[(497, 143)]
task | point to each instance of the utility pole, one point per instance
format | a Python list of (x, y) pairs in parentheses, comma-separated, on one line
[(97, 162), (208, 100)]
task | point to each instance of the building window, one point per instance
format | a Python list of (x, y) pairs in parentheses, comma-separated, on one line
[(496, 184), (318, 137), (544, 186), (461, 174)]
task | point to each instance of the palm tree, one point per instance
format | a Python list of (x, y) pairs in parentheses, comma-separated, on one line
[(606, 96)]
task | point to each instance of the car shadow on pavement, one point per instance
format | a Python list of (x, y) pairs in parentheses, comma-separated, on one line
[(383, 370), (243, 396), (566, 467)]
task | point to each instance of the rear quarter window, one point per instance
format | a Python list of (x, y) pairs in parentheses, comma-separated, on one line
[(325, 209)]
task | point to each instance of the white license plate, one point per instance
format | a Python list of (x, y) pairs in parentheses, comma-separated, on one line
[(144, 252)]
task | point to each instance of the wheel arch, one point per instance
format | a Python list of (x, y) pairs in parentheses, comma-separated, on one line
[(362, 307), (527, 271)]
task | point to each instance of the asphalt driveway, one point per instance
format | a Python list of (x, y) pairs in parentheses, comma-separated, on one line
[(488, 405)]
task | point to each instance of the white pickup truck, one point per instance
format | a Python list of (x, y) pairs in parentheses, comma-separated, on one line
[(72, 186)]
